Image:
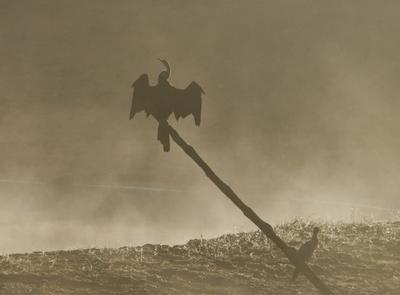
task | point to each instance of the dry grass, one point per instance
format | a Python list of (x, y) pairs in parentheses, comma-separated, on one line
[(356, 258)]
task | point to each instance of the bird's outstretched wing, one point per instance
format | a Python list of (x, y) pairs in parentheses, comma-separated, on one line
[(141, 95), (188, 101)]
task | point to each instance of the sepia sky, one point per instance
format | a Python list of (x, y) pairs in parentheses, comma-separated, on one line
[(300, 117)]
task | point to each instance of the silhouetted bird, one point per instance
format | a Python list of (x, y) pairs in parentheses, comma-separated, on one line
[(162, 100), (306, 251)]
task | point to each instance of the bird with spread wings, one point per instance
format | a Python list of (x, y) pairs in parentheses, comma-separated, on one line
[(163, 99)]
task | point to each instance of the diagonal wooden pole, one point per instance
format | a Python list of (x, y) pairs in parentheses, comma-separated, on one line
[(249, 213)]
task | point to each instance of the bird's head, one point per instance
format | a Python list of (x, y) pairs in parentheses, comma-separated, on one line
[(164, 75), (316, 230)]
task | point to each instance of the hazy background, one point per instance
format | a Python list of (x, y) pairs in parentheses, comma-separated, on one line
[(302, 104)]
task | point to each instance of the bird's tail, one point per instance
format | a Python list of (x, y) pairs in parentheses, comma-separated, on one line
[(295, 274), (163, 136)]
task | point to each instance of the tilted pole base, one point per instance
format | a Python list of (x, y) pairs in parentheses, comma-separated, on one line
[(249, 213)]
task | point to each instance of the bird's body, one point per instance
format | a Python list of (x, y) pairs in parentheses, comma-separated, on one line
[(163, 99), (306, 250)]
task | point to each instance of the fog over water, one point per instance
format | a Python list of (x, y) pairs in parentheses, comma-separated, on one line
[(300, 117)]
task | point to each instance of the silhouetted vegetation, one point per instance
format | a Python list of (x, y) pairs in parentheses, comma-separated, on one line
[(358, 258)]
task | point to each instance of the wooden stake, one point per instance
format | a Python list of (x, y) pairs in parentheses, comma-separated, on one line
[(249, 213)]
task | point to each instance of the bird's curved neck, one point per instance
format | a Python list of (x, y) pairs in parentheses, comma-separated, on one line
[(163, 82)]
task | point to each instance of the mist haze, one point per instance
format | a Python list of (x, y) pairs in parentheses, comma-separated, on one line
[(299, 118)]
